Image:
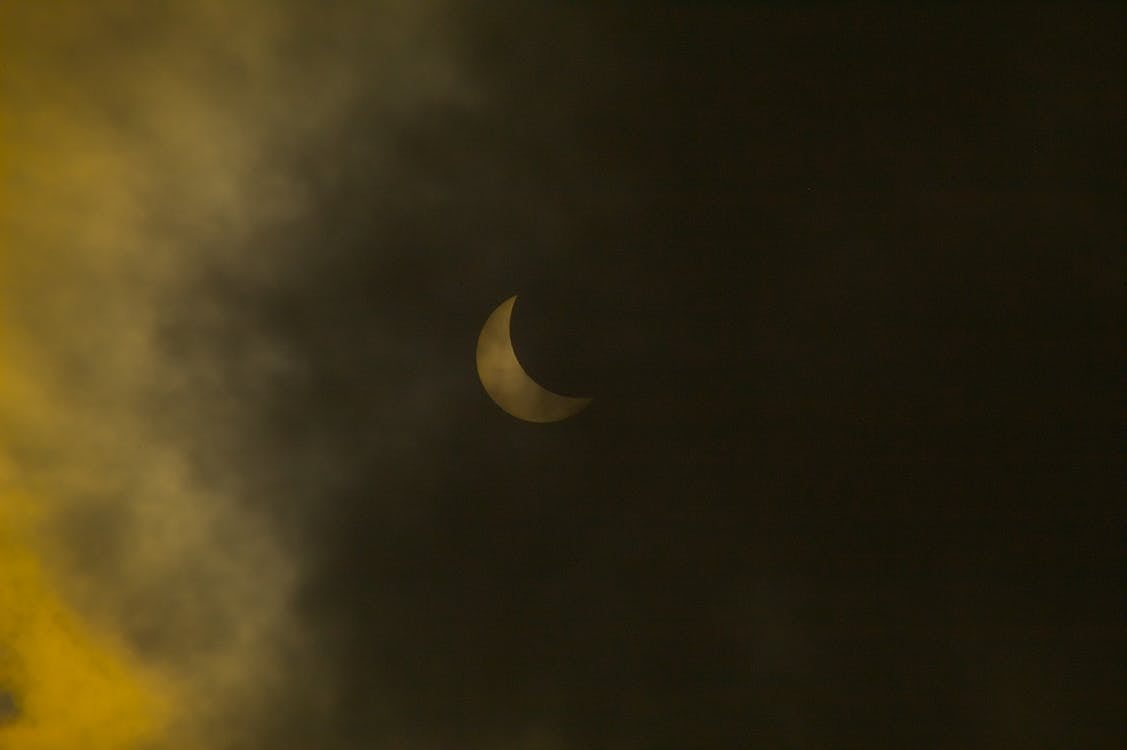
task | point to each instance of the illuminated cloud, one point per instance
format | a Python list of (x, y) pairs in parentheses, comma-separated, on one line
[(144, 146)]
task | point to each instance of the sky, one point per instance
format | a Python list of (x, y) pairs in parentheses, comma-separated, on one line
[(844, 283)]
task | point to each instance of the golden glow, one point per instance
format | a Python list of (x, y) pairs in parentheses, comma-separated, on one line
[(74, 683), (142, 145), (101, 142), (74, 686), (508, 384)]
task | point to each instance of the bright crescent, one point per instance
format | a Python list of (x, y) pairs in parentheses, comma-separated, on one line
[(508, 384)]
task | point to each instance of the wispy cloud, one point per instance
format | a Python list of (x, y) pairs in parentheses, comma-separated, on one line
[(146, 602)]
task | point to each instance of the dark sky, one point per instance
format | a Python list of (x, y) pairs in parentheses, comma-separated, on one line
[(846, 285)]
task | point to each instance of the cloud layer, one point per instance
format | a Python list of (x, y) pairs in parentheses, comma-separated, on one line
[(146, 148), (844, 284)]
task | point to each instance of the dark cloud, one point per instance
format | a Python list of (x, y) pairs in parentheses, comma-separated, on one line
[(8, 708), (841, 281)]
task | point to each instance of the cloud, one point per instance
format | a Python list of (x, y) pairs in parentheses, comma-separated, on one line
[(146, 148)]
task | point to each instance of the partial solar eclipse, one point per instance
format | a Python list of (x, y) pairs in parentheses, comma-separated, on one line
[(508, 384)]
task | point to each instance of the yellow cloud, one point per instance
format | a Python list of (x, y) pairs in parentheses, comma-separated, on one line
[(74, 682), (145, 603), (74, 687)]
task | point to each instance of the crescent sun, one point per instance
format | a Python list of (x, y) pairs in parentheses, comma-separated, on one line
[(508, 384)]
